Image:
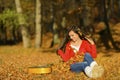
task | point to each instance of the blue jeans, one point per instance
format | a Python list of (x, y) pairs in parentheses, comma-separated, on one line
[(80, 66)]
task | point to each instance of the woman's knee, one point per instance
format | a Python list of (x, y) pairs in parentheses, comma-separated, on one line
[(88, 58), (87, 54)]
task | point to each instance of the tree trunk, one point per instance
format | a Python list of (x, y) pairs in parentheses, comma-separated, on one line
[(107, 26), (38, 36), (24, 30), (119, 7)]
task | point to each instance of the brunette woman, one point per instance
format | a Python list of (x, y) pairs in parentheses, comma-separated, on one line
[(77, 44)]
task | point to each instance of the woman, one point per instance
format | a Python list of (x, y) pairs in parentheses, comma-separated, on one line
[(77, 44)]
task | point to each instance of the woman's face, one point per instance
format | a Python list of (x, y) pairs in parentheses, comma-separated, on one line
[(73, 36)]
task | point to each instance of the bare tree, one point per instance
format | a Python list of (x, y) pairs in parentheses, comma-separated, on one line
[(38, 34), (24, 30), (108, 32)]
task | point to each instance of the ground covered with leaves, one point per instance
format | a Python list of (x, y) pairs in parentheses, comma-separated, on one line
[(15, 61)]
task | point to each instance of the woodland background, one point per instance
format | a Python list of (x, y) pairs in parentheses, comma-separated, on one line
[(32, 30)]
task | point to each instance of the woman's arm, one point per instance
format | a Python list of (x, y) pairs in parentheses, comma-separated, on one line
[(92, 50), (91, 47), (63, 55), (67, 54)]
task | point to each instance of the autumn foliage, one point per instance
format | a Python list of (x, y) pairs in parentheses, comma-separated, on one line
[(15, 61)]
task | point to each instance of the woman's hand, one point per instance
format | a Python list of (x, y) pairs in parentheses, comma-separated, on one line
[(90, 40)]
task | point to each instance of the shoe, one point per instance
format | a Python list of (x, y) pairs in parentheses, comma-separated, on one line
[(97, 71)]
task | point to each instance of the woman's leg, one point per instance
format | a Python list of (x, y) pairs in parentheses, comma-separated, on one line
[(78, 67), (88, 58), (91, 62)]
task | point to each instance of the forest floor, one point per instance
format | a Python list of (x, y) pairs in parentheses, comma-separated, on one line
[(16, 60)]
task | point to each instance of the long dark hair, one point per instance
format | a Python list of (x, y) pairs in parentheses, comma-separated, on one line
[(66, 39)]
